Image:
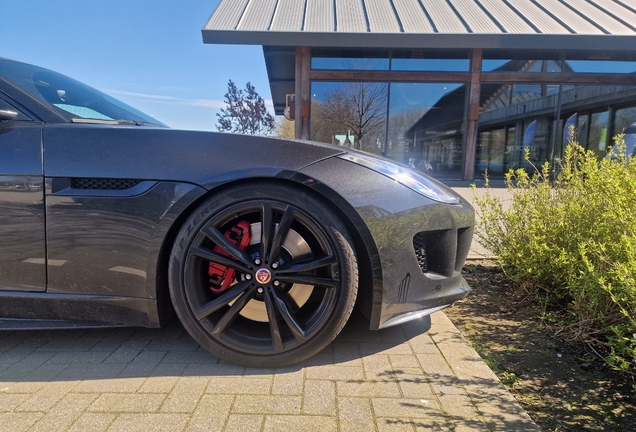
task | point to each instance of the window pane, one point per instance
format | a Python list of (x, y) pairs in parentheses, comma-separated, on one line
[(598, 133), (625, 118), (349, 114), (521, 65), (600, 66), (426, 124), (349, 59), (418, 60), (515, 119)]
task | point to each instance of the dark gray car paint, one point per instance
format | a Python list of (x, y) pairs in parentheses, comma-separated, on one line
[(22, 245), (92, 232), (206, 159), (393, 214)]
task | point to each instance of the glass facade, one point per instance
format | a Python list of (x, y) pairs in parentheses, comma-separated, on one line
[(351, 114), (424, 123)]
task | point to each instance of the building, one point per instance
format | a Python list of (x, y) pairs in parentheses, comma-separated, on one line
[(452, 87)]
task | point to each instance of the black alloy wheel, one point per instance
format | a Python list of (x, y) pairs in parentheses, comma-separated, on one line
[(275, 297)]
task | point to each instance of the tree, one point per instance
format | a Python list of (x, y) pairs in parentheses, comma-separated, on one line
[(245, 112), (284, 128), (357, 108)]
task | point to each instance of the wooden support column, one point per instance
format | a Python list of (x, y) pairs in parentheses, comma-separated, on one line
[(473, 115), (303, 63)]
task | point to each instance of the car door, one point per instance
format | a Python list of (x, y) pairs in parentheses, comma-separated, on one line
[(22, 233)]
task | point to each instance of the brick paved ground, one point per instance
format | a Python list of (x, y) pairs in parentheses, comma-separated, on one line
[(399, 379)]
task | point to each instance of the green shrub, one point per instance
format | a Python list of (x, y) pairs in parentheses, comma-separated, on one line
[(570, 234)]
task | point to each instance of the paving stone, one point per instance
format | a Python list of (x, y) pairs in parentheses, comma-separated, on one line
[(26, 356), (267, 405), (355, 415), (113, 339), (170, 370), (92, 422), (243, 423), (190, 357), (458, 405), (21, 387), (289, 383), (321, 359), (25, 366), (415, 385), (112, 385), (219, 369), (399, 361), (384, 348), (144, 364), (333, 372), (377, 366), (49, 395), (300, 423), (423, 344), (90, 371), (395, 425), (172, 345), (127, 403), (68, 357), (18, 422), (207, 424), (239, 385), (347, 354), (60, 417), (159, 384), (185, 395), (10, 401), (319, 398), (436, 367), (386, 388), (404, 408), (393, 335), (149, 423), (126, 352), (44, 373), (211, 413)]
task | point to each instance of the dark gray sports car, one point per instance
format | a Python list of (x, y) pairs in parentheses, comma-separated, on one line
[(262, 246)]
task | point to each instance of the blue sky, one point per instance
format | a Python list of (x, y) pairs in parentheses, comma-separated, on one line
[(149, 54)]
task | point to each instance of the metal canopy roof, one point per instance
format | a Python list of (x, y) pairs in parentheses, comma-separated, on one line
[(531, 24)]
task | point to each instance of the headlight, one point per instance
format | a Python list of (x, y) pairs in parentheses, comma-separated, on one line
[(406, 177)]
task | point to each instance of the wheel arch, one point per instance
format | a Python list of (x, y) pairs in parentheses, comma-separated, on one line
[(370, 272)]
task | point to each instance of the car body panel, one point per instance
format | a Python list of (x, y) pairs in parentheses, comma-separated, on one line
[(394, 215), (109, 245), (139, 152), (22, 244)]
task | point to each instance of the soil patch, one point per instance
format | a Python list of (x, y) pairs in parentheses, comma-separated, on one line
[(563, 386)]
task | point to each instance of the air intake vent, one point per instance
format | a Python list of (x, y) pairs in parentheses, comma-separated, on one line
[(103, 184), (419, 245)]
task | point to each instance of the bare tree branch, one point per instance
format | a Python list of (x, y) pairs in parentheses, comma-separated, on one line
[(245, 112)]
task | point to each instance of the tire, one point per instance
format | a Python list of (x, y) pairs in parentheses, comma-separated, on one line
[(278, 297)]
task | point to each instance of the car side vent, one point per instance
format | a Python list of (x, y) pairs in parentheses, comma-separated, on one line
[(419, 245), (103, 184)]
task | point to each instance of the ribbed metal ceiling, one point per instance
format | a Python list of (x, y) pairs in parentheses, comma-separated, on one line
[(408, 17)]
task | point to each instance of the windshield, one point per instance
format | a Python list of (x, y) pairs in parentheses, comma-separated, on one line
[(69, 97)]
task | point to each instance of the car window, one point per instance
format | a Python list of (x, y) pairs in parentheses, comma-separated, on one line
[(69, 97), (4, 105)]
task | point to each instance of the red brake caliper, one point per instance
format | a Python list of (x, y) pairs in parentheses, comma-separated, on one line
[(221, 277)]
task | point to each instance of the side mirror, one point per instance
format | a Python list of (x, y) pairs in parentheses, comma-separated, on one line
[(7, 115)]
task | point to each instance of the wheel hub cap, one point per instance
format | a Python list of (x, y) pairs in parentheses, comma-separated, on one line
[(263, 276)]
